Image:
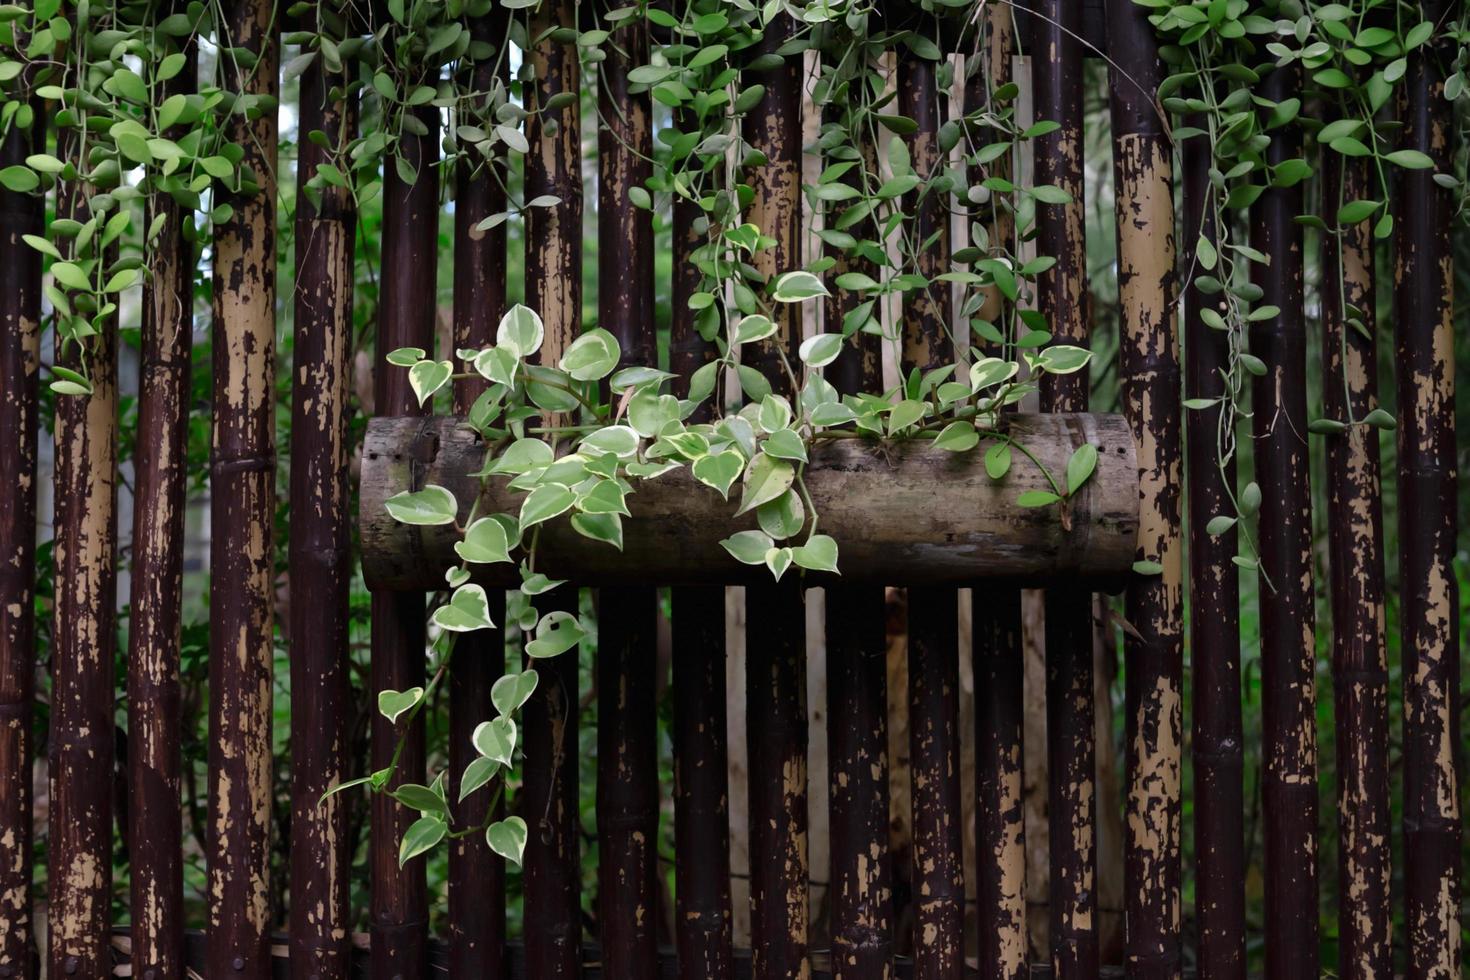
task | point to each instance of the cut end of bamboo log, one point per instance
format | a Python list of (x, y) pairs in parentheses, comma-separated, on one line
[(903, 513)]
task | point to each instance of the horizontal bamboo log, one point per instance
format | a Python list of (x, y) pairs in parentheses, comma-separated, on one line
[(902, 513)]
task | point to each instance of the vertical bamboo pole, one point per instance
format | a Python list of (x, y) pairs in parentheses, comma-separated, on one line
[(1154, 606), (1355, 541), (627, 748), (399, 920), (84, 639), (320, 547), (776, 618), (1057, 77), (159, 462), (1214, 596), (1288, 654), (857, 686), (20, 363), (476, 874), (242, 516), (702, 920), (933, 626), (1000, 843), (554, 289), (1424, 348)]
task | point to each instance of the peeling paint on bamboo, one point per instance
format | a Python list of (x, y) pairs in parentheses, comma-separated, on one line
[(1425, 378), (476, 926), (702, 912), (933, 637), (399, 918), (1153, 606), (84, 640), (1355, 541), (627, 754), (320, 548), (1057, 79), (160, 465), (776, 617), (1288, 648), (20, 363), (554, 289), (857, 698), (1218, 749)]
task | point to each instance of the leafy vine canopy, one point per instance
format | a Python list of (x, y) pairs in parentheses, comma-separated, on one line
[(131, 123)]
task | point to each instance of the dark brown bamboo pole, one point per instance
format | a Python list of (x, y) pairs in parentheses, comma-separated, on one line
[(242, 518), (84, 642), (476, 874), (1219, 740), (155, 830), (1429, 613), (1000, 826), (399, 919), (861, 881), (1057, 80), (627, 748), (1355, 541), (1288, 654), (1154, 603), (554, 289), (20, 365), (933, 626), (320, 547), (775, 639), (702, 913)]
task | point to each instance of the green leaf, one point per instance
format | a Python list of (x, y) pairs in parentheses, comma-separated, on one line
[(496, 739), (998, 460), (592, 356), (70, 275), (476, 775), (422, 835), (821, 349), (507, 838), (1356, 211), (405, 356), (1250, 499), (1048, 194), (766, 478), (557, 633), (420, 798), (749, 547), (783, 517), (818, 554), (430, 506), (1380, 419), (392, 704), (467, 610), (719, 470), (957, 437), (785, 444), (1147, 568), (484, 542), (1064, 358), (427, 377), (793, 287), (1037, 498), (606, 497), (1081, 467), (520, 331), (544, 503), (513, 690), (1220, 524), (904, 414), (753, 328), (1410, 159), (620, 440), (778, 560)]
